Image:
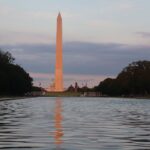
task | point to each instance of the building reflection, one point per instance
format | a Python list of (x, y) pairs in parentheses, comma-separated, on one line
[(58, 133)]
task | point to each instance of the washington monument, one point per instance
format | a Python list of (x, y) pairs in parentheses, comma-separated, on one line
[(58, 87)]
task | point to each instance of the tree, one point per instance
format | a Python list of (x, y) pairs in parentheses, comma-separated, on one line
[(133, 80), (6, 58), (14, 80)]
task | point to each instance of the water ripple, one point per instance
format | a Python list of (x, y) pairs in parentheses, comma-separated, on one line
[(75, 124)]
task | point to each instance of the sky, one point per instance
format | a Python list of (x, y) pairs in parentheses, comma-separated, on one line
[(100, 37)]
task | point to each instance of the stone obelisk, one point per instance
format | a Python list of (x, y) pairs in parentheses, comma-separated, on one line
[(59, 57)]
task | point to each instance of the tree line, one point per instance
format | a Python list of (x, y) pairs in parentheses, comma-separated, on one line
[(133, 80)]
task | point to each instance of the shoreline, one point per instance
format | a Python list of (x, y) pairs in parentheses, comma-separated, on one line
[(13, 98), (19, 98)]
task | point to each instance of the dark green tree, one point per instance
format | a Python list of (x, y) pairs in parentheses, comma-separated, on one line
[(14, 80), (133, 80)]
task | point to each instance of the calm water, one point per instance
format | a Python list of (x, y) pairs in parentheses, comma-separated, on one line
[(75, 124)]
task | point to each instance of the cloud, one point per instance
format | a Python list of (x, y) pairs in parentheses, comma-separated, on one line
[(39, 25), (6, 10), (125, 6), (28, 26), (80, 58), (143, 34), (119, 6), (13, 37)]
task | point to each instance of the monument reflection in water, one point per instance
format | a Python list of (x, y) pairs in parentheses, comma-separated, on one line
[(58, 133)]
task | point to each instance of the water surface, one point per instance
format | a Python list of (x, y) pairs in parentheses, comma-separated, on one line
[(75, 124)]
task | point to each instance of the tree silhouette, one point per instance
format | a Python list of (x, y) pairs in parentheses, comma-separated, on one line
[(13, 78), (132, 80)]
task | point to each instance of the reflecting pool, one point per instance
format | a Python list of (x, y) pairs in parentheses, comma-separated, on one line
[(75, 124)]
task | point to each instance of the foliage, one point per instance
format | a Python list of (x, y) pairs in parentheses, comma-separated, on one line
[(13, 78), (6, 58), (133, 80)]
